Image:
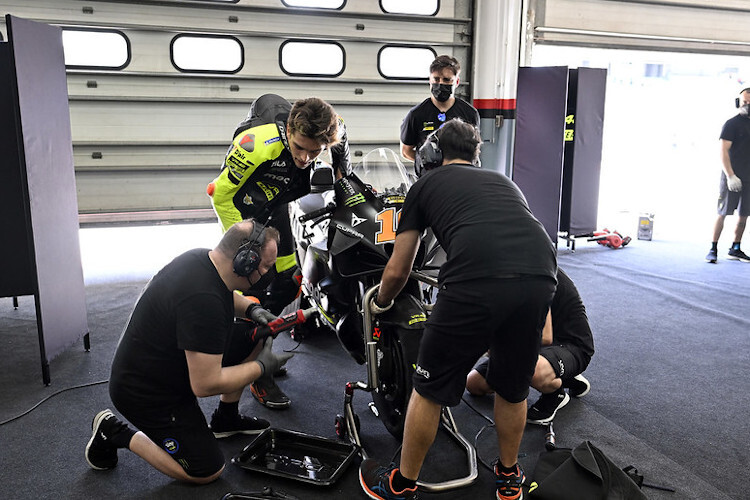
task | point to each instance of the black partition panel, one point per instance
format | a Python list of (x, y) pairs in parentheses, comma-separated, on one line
[(15, 259), (583, 151), (538, 150), (43, 173)]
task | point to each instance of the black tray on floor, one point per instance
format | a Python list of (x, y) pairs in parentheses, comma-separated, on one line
[(294, 455)]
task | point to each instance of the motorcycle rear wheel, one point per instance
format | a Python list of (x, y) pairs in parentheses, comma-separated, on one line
[(395, 384)]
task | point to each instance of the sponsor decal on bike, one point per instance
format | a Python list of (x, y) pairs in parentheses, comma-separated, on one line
[(357, 220), (376, 333), (170, 445), (346, 186), (354, 200), (395, 200), (422, 372), (349, 231), (417, 318)]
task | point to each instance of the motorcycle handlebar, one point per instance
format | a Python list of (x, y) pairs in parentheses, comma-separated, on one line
[(328, 209)]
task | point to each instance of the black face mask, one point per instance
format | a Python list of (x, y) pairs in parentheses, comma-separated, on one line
[(745, 110), (259, 286), (441, 91)]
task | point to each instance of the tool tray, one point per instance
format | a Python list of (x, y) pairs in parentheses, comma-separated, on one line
[(294, 455)]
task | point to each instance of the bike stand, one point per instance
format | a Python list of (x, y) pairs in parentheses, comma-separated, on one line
[(350, 420), (351, 432)]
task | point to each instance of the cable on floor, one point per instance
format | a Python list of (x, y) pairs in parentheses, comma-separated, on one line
[(90, 384)]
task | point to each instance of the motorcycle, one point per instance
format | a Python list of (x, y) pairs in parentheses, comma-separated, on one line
[(343, 247), (345, 231)]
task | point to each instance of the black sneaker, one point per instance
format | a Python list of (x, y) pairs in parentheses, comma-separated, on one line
[(712, 256), (223, 426), (100, 453), (376, 482), (737, 254), (269, 394), (543, 411), (509, 486), (578, 386)]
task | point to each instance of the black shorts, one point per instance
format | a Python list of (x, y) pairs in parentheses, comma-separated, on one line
[(182, 430), (564, 363), (729, 201), (563, 360), (184, 434), (503, 315)]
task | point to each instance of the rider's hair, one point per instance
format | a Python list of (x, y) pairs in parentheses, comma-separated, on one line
[(444, 61), (238, 234), (459, 140), (316, 119)]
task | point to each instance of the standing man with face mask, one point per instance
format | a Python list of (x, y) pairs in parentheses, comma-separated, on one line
[(734, 187), (429, 115)]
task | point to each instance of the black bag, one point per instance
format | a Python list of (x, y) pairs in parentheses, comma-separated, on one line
[(583, 473)]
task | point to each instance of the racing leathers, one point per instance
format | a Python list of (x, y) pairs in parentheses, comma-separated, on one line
[(258, 179)]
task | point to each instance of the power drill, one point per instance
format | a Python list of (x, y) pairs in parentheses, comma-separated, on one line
[(282, 323)]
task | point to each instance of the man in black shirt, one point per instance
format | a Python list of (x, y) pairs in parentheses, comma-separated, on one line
[(495, 289), (182, 342), (567, 348), (433, 112), (734, 194)]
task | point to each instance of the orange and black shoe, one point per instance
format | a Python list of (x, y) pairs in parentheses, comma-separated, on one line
[(269, 394), (509, 485), (376, 482)]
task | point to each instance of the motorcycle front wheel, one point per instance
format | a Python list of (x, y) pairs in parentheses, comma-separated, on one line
[(395, 367)]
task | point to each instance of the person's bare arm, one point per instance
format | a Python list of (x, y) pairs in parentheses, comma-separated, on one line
[(408, 152), (726, 164), (209, 378)]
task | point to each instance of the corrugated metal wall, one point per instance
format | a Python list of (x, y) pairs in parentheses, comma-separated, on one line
[(148, 137)]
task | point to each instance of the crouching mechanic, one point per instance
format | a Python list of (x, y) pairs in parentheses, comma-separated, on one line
[(567, 348), (493, 292), (266, 167), (181, 343)]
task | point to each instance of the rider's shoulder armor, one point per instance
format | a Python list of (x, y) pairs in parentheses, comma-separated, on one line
[(252, 147)]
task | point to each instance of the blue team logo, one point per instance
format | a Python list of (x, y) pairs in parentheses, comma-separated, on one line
[(441, 117), (170, 445)]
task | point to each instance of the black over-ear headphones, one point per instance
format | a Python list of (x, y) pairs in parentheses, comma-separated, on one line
[(247, 258), (737, 99), (429, 155)]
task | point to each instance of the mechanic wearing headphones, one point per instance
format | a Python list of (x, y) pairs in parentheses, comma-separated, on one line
[(495, 289), (181, 342), (266, 167), (567, 347), (441, 106), (734, 185)]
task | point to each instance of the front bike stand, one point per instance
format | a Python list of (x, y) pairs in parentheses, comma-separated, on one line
[(347, 427)]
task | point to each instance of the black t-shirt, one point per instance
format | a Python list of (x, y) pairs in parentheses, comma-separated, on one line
[(424, 118), (185, 306), (737, 130), (570, 325), (482, 221)]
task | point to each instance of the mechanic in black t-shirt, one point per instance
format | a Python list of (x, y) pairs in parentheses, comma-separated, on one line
[(495, 289), (182, 342), (567, 348), (734, 186), (433, 112)]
